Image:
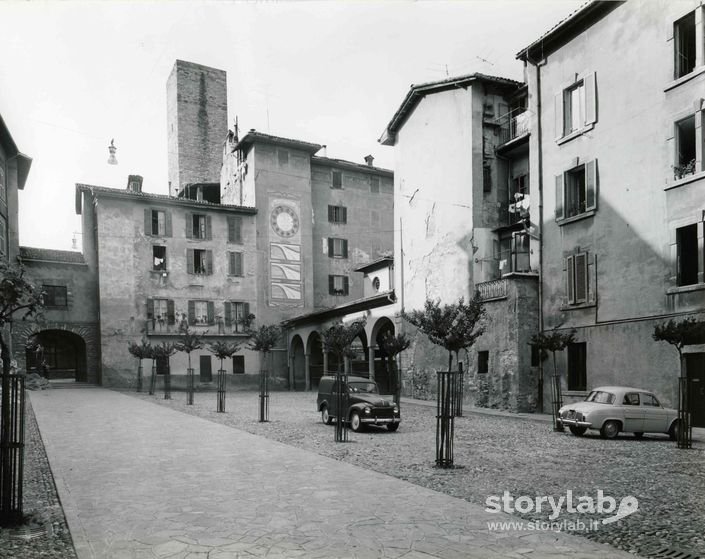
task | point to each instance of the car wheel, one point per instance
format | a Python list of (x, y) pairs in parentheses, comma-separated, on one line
[(355, 422), (577, 431), (325, 417), (610, 429), (638, 435), (392, 427), (673, 431)]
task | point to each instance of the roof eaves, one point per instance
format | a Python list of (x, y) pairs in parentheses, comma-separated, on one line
[(349, 164), (253, 136)]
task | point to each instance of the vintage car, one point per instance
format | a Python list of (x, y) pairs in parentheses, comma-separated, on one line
[(365, 405), (615, 409)]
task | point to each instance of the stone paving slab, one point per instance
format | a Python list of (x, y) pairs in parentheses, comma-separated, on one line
[(140, 481)]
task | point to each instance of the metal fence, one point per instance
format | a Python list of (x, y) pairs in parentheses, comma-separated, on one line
[(685, 428), (446, 408), (12, 449)]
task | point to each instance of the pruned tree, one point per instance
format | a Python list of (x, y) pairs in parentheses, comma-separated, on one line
[(189, 342), (20, 299), (554, 341), (263, 340), (139, 351), (392, 346), (222, 350), (164, 351)]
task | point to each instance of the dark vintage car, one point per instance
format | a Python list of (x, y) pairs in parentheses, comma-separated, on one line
[(365, 404)]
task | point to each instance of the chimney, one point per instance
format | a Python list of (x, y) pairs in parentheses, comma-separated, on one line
[(369, 160), (134, 183), (324, 150)]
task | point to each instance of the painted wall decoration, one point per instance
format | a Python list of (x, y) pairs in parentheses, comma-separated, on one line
[(285, 272)]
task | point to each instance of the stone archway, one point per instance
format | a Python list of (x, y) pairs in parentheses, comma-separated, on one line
[(298, 363), (316, 365), (57, 355), (382, 327)]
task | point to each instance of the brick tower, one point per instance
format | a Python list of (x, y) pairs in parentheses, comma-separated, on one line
[(197, 123)]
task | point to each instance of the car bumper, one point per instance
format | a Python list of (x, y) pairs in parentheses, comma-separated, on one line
[(379, 421), (575, 423)]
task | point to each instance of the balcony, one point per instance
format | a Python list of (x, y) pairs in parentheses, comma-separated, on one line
[(162, 328), (491, 290), (517, 126)]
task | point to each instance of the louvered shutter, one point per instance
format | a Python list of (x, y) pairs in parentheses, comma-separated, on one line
[(345, 248), (189, 261), (589, 83), (150, 309), (591, 185), (344, 217), (331, 214), (330, 247), (209, 262), (211, 312), (346, 285), (331, 285), (570, 279), (189, 226), (558, 105), (167, 224), (148, 222), (559, 196), (171, 317), (228, 313), (191, 312), (209, 227), (246, 310), (239, 265), (581, 286), (69, 295)]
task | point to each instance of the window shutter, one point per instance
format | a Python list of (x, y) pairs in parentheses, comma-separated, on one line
[(191, 312), (558, 102), (346, 285), (147, 221), (345, 214), (209, 262), (669, 31), (570, 279), (171, 317), (345, 248), (209, 227), (331, 285), (189, 226), (330, 247), (189, 261), (211, 312), (240, 267), (559, 196), (581, 285), (331, 216), (228, 313), (231, 263), (150, 309), (69, 295), (231, 229), (591, 185), (167, 223), (590, 98)]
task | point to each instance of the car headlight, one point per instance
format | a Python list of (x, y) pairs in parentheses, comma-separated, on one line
[(367, 410), (396, 410)]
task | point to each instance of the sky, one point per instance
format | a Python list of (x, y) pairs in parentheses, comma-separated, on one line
[(74, 75)]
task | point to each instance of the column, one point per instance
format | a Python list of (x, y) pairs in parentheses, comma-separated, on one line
[(307, 364)]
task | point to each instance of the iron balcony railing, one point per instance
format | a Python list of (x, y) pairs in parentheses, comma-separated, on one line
[(518, 125), (157, 328), (495, 289)]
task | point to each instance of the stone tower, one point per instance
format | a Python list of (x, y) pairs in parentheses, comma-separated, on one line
[(197, 123)]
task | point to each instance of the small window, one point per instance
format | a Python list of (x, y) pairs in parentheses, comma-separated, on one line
[(234, 229), (685, 45), (198, 226), (159, 258), (238, 364), (199, 261), (631, 399), (337, 214), (576, 191), (576, 106), (577, 278), (685, 148), (162, 364), (161, 311), (687, 254), (235, 264), (573, 108), (158, 223), (201, 312), (337, 179), (374, 185), (483, 362), (338, 285), (376, 284), (337, 248), (649, 400), (577, 366), (55, 296), (239, 316), (283, 157)]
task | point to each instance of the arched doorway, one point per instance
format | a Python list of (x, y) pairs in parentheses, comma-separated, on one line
[(57, 354), (315, 364), (383, 327), (298, 363), (359, 362)]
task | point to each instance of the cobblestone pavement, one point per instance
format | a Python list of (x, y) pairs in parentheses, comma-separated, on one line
[(139, 480), (45, 534), (497, 454)]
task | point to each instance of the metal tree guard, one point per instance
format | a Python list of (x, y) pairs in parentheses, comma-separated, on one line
[(189, 386), (153, 379), (459, 391), (221, 389), (445, 417), (557, 402), (685, 428), (341, 425), (12, 450), (139, 377), (263, 394), (167, 381)]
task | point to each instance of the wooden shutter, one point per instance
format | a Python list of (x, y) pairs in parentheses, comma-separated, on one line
[(69, 295), (234, 229), (209, 227), (558, 105), (330, 247), (331, 214), (171, 317), (331, 285), (190, 268), (189, 227), (191, 312), (345, 248), (581, 285), (570, 279), (209, 262), (591, 185), (150, 309), (240, 267), (147, 222), (590, 98), (211, 312), (167, 224), (559, 196), (346, 285), (228, 313), (246, 310), (345, 214)]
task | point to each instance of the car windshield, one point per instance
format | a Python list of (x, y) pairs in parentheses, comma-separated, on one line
[(365, 387), (600, 397)]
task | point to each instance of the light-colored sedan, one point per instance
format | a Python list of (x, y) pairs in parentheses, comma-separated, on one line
[(615, 409)]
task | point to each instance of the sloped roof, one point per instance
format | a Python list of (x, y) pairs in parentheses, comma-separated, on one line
[(24, 162), (51, 255), (253, 137)]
